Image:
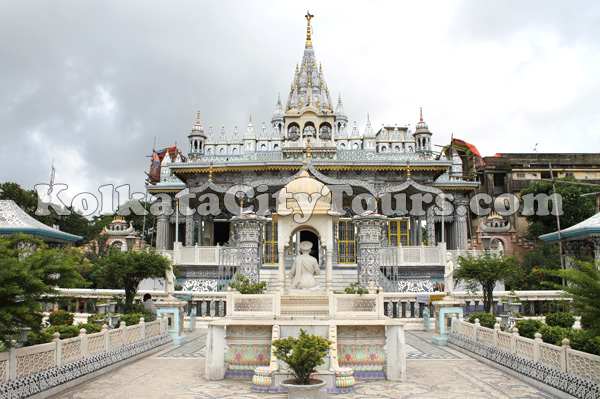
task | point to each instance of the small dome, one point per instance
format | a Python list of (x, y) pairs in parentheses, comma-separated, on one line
[(299, 195)]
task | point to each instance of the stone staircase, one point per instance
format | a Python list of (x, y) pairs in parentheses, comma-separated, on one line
[(342, 278)]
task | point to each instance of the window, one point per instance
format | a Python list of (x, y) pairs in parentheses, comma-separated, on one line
[(271, 256), (207, 233), (346, 242), (520, 175), (569, 174), (398, 232)]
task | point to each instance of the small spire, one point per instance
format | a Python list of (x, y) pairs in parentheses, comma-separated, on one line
[(296, 67), (368, 118), (250, 120), (421, 111), (407, 170), (320, 67), (210, 172), (308, 17), (198, 121)]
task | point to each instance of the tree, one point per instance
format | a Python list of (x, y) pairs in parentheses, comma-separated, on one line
[(535, 262), (126, 270), (485, 271), (583, 285), (29, 271), (574, 207)]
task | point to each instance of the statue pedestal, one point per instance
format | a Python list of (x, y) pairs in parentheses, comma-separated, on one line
[(301, 292), (444, 310), (173, 309)]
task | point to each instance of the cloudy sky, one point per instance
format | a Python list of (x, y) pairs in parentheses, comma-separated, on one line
[(92, 84)]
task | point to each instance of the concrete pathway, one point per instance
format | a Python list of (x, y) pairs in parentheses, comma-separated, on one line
[(178, 372)]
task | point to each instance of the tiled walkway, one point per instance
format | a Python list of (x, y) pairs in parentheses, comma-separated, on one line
[(178, 372)]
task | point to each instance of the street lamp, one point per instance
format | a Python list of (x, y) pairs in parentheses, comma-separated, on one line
[(130, 240), (486, 241)]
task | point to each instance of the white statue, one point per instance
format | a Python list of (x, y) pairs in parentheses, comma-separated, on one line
[(448, 274), (169, 282), (305, 268)]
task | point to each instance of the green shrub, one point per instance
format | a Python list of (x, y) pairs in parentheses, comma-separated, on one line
[(60, 318), (245, 286), (554, 335), (564, 320), (528, 328), (485, 319), (132, 318), (65, 331), (302, 354), (37, 338), (90, 328), (97, 316)]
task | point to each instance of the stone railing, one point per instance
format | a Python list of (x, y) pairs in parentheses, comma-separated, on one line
[(422, 255), (562, 358), (395, 304), (17, 363), (355, 305), (251, 305)]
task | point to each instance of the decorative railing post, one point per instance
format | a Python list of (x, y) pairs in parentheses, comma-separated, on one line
[(249, 227), (564, 359), (123, 333), (58, 352), (536, 347), (495, 336), (143, 328), (12, 363), (84, 342), (475, 329), (369, 245), (106, 337), (513, 340)]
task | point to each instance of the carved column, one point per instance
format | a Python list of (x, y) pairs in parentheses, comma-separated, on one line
[(430, 227), (572, 250), (189, 230), (249, 228), (369, 247), (162, 233), (419, 231)]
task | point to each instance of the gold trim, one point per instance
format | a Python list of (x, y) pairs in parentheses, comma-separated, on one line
[(455, 188), (297, 167)]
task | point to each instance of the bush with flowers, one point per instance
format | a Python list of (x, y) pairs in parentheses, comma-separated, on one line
[(60, 318)]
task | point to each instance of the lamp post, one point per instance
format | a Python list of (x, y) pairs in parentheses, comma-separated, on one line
[(130, 240), (486, 241)]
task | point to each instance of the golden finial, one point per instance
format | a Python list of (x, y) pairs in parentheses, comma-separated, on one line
[(303, 64), (313, 64), (308, 150), (210, 171), (308, 98), (299, 101), (318, 101), (296, 67), (250, 119), (407, 170), (320, 67), (198, 121), (368, 118), (421, 111), (308, 17)]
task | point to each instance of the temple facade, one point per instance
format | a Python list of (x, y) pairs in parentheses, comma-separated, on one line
[(395, 206)]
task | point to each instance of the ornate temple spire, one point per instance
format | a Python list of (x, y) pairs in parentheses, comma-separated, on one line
[(223, 136), (369, 130), (340, 112), (249, 130), (236, 136), (309, 87), (355, 133), (308, 17)]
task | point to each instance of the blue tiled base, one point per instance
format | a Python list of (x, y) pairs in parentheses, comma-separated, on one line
[(239, 374), (271, 388), (370, 375), (440, 340), (179, 339)]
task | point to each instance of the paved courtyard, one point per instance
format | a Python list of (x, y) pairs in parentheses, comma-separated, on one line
[(178, 372)]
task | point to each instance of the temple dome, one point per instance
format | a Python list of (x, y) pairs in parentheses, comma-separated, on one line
[(299, 195)]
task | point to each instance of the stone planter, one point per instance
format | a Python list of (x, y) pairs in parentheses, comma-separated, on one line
[(101, 308), (303, 391), (515, 307)]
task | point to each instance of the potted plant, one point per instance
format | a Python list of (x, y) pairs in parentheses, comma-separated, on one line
[(302, 356)]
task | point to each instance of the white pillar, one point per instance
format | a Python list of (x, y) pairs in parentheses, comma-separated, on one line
[(281, 270), (329, 269), (396, 353), (215, 353)]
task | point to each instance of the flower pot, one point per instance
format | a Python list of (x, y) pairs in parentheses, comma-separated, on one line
[(296, 391), (515, 307), (101, 308)]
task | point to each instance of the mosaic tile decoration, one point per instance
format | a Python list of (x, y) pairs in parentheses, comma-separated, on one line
[(48, 379), (573, 385)]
